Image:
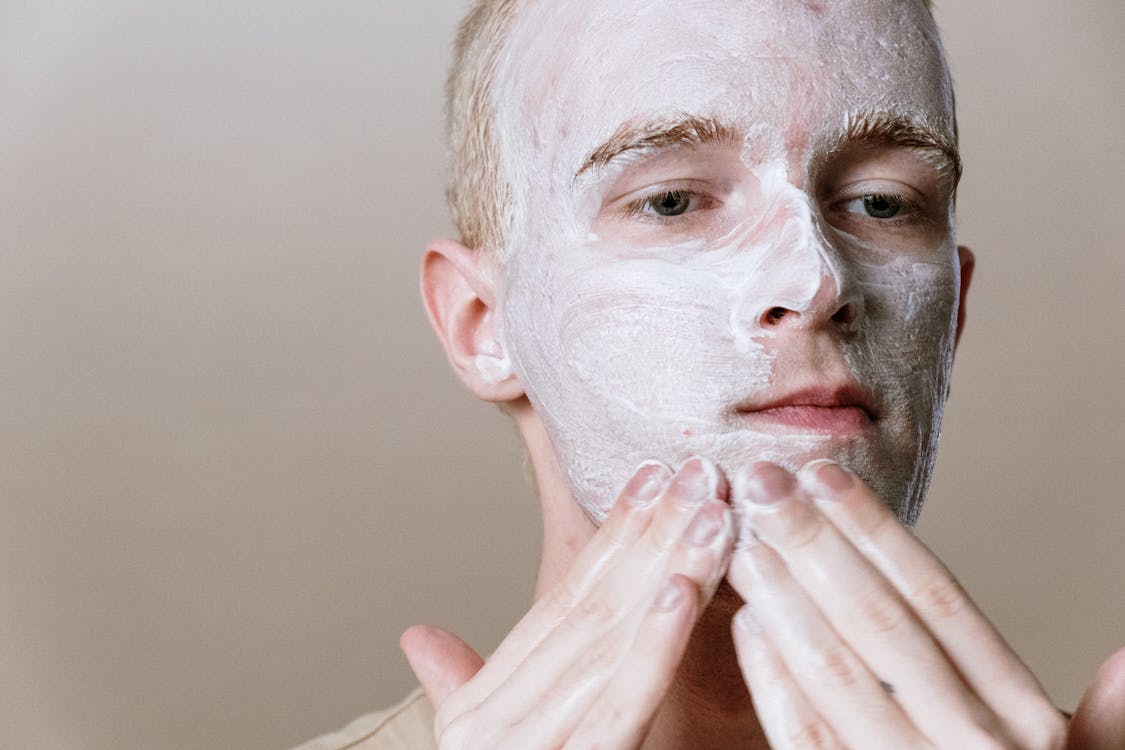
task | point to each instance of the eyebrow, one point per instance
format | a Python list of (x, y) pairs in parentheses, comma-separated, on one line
[(896, 130), (688, 130), (887, 128)]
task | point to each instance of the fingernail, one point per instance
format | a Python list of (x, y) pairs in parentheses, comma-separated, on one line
[(707, 524), (647, 482), (669, 598), (766, 484), (830, 479), (696, 482), (835, 477), (745, 620)]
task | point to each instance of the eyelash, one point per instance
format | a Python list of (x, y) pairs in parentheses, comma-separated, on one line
[(909, 211), (640, 208)]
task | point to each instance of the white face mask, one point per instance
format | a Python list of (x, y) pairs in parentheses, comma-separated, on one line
[(763, 240)]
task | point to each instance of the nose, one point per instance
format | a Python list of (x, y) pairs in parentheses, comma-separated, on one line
[(797, 279), (827, 307)]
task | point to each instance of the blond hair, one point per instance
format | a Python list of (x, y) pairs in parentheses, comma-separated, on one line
[(479, 192)]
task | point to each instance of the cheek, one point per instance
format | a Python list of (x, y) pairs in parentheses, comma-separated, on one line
[(655, 336), (629, 361), (908, 348)]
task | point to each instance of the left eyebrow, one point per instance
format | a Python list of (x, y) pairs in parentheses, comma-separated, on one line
[(898, 131), (689, 130)]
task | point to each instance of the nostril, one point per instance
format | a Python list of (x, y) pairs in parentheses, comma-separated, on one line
[(845, 315), (774, 315)]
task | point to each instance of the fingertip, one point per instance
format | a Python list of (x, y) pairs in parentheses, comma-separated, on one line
[(1099, 720), (412, 636), (674, 594), (763, 484), (440, 660), (681, 596), (746, 621), (418, 642), (646, 484), (1112, 670), (826, 480)]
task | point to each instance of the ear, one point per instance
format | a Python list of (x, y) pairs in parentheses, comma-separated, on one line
[(458, 290), (968, 262)]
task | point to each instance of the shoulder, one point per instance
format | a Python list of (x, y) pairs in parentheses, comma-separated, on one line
[(407, 726)]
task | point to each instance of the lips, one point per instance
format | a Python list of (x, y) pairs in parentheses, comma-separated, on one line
[(845, 408)]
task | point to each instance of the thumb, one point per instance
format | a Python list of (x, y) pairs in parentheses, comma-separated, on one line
[(441, 661), (1099, 720)]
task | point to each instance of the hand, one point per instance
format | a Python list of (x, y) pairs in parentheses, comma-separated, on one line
[(855, 635), (591, 661), (1099, 720)]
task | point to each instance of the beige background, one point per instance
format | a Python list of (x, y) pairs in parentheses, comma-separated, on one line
[(233, 464)]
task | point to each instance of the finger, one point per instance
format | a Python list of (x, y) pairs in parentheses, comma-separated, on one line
[(864, 609), (970, 642), (627, 521), (623, 713), (692, 523), (787, 718), (593, 638), (843, 691), (441, 661), (1099, 720)]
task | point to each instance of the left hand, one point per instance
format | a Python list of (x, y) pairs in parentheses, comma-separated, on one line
[(855, 635)]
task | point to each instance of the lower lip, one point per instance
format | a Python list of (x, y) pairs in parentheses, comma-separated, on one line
[(825, 419)]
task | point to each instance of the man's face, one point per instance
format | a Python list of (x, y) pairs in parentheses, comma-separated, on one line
[(734, 235)]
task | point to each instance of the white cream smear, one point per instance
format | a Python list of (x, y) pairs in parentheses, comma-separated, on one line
[(638, 337)]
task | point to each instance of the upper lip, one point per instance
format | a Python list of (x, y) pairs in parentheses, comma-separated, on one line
[(844, 395)]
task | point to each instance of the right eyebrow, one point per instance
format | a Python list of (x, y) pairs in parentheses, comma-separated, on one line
[(689, 130), (904, 132)]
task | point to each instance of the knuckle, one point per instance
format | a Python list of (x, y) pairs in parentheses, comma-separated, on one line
[(812, 735), (939, 596), (879, 611), (595, 610), (609, 713), (838, 665), (597, 658), (561, 598)]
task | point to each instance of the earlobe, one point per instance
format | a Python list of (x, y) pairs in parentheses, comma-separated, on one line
[(458, 291), (968, 262)]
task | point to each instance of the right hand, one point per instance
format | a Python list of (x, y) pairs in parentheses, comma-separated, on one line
[(591, 661)]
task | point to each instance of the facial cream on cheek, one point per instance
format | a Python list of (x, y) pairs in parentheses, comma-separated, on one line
[(642, 359), (626, 360), (632, 353), (904, 353)]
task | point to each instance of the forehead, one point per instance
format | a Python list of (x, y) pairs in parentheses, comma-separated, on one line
[(783, 71)]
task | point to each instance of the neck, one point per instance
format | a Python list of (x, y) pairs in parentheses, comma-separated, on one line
[(707, 704)]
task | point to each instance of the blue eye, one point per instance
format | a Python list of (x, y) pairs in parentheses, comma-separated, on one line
[(877, 205), (670, 203)]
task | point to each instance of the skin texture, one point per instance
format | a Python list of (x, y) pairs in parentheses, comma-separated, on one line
[(835, 590), (608, 334), (640, 335)]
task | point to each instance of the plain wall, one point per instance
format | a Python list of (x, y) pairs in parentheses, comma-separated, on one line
[(233, 462)]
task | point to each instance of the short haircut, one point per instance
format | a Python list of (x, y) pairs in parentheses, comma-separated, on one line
[(479, 192)]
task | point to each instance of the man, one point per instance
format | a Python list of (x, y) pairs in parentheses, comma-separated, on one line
[(708, 256)]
